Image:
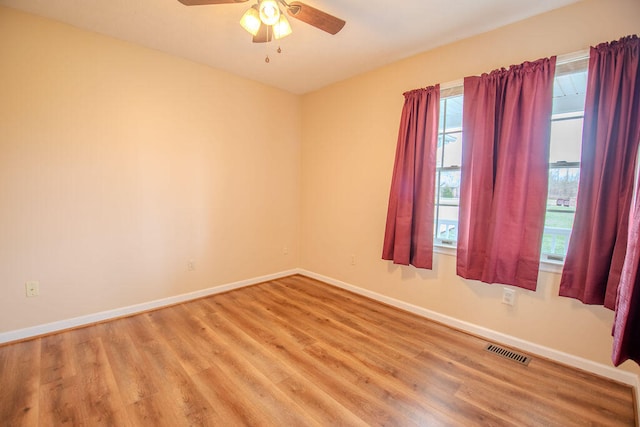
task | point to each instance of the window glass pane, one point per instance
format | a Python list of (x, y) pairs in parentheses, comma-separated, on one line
[(452, 149), (569, 93), (448, 199), (556, 240), (449, 191), (447, 224), (439, 151), (561, 204), (563, 185), (454, 113), (557, 229), (566, 140), (451, 110)]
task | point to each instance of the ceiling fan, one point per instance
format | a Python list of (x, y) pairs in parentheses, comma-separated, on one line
[(265, 21)]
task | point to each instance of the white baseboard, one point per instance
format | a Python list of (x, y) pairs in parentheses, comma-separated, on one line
[(498, 337), (26, 333)]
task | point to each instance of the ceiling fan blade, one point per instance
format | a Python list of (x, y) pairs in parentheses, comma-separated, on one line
[(203, 2), (264, 34), (315, 17)]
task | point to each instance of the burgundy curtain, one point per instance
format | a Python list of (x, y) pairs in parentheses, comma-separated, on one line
[(613, 104), (626, 325), (409, 231), (610, 135), (505, 162)]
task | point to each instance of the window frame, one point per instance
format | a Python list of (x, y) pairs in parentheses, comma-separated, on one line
[(565, 64), (578, 62), (451, 90)]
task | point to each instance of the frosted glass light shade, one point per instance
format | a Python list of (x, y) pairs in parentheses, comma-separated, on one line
[(269, 12), (282, 28), (250, 21)]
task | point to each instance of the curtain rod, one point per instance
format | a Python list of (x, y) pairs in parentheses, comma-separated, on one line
[(560, 60)]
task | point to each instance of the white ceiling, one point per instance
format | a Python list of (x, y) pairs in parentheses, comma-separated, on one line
[(377, 32)]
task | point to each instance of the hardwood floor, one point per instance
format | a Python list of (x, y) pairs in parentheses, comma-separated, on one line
[(290, 352)]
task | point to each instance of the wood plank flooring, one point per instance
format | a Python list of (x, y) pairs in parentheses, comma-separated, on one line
[(290, 352)]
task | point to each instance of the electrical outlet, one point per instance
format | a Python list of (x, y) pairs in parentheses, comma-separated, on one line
[(32, 289), (353, 260), (191, 265), (508, 296), (285, 251)]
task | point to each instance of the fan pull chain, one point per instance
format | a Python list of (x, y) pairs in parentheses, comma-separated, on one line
[(279, 50), (267, 59)]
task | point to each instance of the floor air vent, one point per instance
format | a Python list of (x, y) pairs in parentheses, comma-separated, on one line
[(516, 357)]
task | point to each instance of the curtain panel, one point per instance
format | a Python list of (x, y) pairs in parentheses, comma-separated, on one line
[(626, 324), (409, 229), (613, 102), (505, 162), (598, 242)]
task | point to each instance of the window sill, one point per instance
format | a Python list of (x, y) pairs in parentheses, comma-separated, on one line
[(551, 266), (444, 249), (546, 265)]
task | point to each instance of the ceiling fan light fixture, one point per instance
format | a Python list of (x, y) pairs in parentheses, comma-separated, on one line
[(269, 12), (282, 28), (250, 21)]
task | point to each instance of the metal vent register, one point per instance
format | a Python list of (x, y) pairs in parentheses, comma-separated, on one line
[(508, 354)]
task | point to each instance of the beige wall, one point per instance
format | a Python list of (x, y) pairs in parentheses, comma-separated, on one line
[(119, 164), (349, 136)]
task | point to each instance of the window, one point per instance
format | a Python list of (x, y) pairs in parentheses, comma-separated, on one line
[(569, 91), (564, 161), (448, 161)]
